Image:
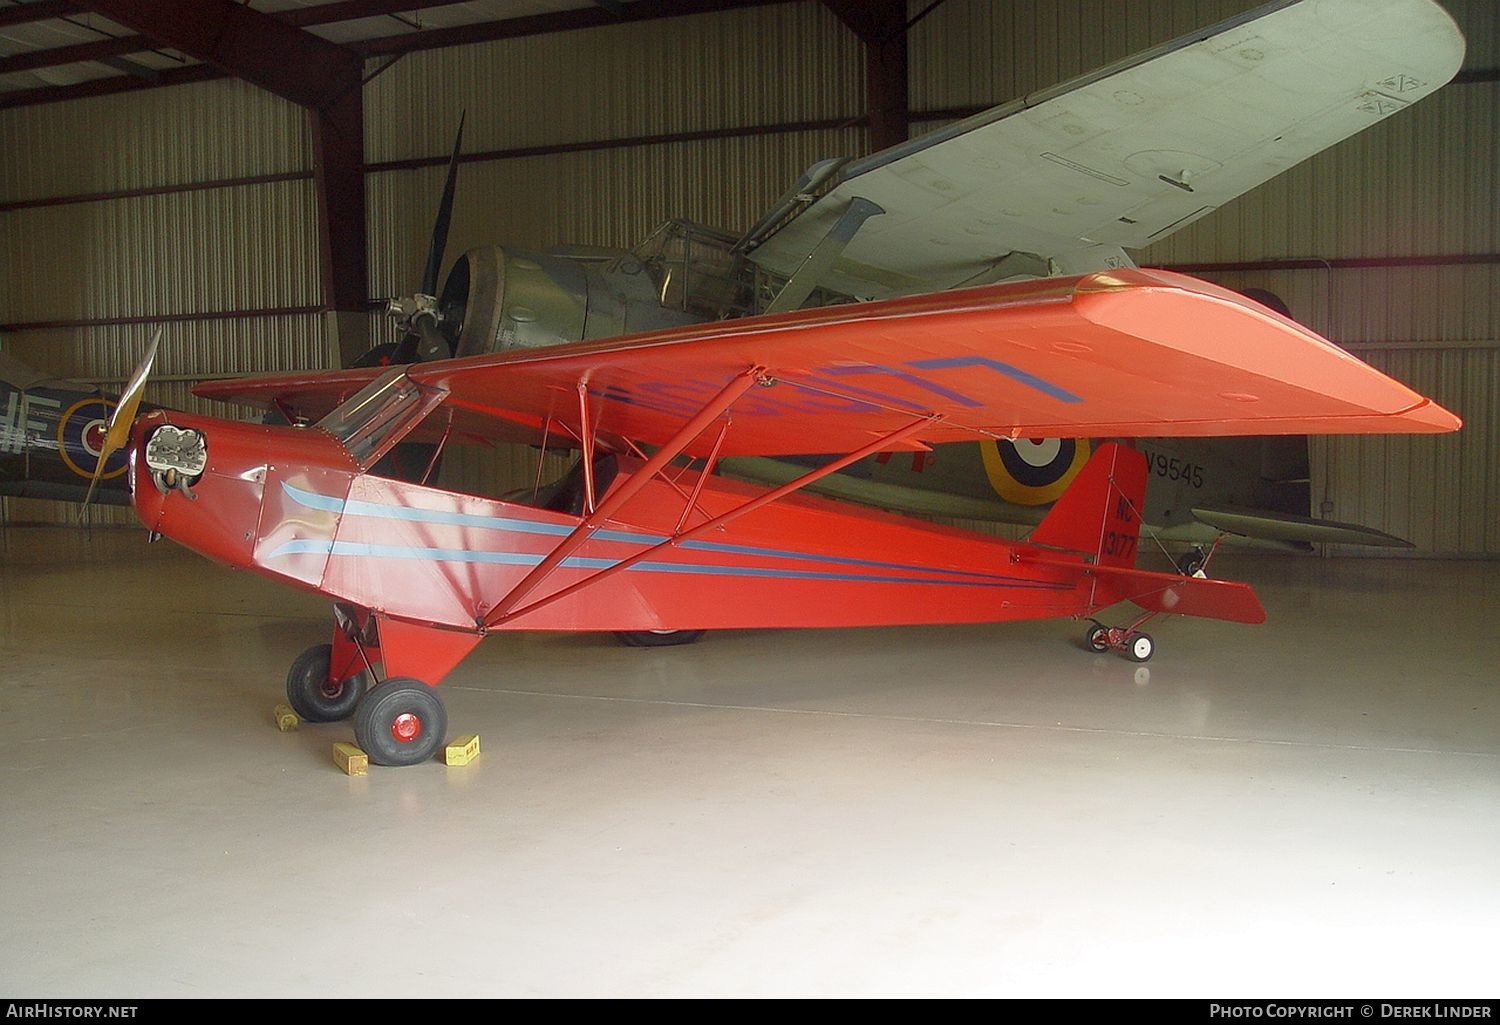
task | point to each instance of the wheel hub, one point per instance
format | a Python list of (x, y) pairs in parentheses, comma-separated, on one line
[(406, 727)]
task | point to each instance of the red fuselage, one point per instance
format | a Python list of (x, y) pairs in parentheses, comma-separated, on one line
[(290, 503)]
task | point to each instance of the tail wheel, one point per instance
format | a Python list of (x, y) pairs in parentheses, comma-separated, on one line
[(658, 638), (1192, 563), (401, 722), (316, 698), (1140, 648)]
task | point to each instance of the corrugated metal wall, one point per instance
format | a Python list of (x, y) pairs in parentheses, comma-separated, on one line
[(157, 255), (969, 53), (765, 66), (1421, 184)]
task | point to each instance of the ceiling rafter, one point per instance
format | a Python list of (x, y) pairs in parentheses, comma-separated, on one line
[(21, 14), (539, 24), (281, 59), (120, 46), (352, 10), (75, 53), (322, 77)]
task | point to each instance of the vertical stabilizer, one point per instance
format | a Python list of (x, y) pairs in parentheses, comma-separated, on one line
[(1100, 513)]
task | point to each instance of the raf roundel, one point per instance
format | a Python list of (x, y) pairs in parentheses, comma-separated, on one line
[(1033, 472), (80, 439)]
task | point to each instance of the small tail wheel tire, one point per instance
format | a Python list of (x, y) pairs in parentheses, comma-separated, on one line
[(316, 698), (1096, 638), (658, 638), (400, 722), (1140, 648)]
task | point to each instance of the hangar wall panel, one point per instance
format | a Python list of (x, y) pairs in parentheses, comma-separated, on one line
[(254, 247), (224, 249), (1480, 21), (609, 197), (187, 134), (212, 250), (976, 53), (785, 64), (1419, 183), (759, 66), (1441, 493)]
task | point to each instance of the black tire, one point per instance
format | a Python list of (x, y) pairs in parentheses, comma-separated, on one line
[(1096, 638), (312, 696), (1140, 648), (658, 638), (1192, 562), (400, 722)]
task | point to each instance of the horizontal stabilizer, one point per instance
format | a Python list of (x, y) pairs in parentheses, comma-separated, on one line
[(1170, 594), (1269, 526), (1189, 596)]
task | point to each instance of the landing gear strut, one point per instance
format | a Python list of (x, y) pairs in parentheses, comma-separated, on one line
[(365, 674), (1134, 644)]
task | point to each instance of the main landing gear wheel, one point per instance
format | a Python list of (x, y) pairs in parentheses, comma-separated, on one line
[(400, 722), (313, 696), (657, 638)]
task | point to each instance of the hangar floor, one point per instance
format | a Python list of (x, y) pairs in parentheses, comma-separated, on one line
[(1307, 808)]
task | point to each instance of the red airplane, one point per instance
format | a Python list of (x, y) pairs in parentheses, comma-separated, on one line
[(643, 536)]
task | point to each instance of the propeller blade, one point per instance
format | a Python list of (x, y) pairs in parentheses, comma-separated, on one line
[(444, 216), (120, 421)]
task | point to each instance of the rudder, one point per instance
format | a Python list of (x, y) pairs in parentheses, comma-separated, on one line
[(1099, 514)]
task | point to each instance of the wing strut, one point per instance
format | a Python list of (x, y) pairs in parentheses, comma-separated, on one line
[(708, 468), (586, 435), (815, 265), (501, 612), (736, 387)]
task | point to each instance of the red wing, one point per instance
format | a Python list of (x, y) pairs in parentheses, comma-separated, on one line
[(1128, 353)]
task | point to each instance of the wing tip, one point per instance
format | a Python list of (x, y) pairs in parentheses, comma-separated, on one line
[(1430, 418)]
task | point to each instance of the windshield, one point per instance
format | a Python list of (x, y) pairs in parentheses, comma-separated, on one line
[(379, 415)]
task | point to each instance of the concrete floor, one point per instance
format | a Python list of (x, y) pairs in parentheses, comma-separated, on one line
[(1309, 808)]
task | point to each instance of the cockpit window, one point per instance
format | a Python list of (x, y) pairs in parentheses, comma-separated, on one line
[(380, 415), (696, 270)]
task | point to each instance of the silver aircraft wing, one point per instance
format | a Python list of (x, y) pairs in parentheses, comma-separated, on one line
[(1063, 180)]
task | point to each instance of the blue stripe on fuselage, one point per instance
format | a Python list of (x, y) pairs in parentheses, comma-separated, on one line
[(358, 507), (463, 555)]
